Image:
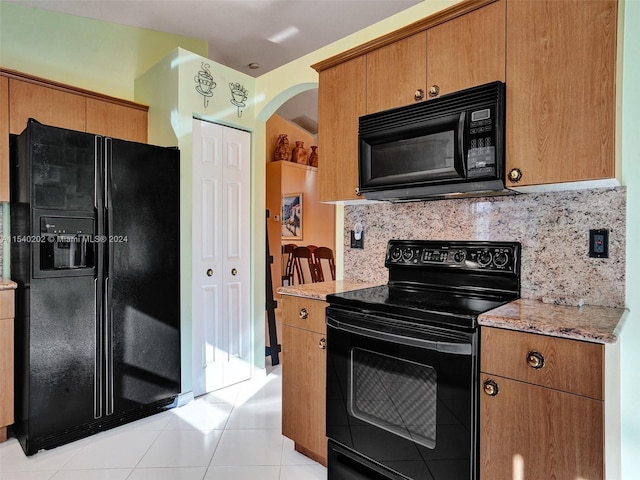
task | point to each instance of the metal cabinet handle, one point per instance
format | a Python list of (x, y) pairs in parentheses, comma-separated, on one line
[(535, 359), (358, 192), (434, 90), (304, 314), (210, 272), (234, 272), (418, 95), (515, 175), (323, 343), (490, 388)]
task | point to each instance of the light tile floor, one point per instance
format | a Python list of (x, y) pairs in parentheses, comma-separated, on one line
[(231, 434)]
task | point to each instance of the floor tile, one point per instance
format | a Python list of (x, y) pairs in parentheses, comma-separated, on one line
[(249, 447), (99, 474), (13, 459), (266, 414), (303, 472), (40, 475), (181, 448), (183, 473), (200, 415), (243, 473), (113, 449)]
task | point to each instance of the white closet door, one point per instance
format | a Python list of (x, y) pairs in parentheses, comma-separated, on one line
[(220, 251)]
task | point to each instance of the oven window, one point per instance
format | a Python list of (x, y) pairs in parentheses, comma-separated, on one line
[(394, 394)]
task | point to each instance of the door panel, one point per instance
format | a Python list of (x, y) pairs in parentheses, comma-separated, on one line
[(221, 243), (144, 273), (62, 354)]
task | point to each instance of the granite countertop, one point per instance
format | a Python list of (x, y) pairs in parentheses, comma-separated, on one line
[(589, 323), (320, 290), (6, 284)]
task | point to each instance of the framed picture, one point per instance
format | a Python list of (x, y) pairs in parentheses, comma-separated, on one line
[(292, 216)]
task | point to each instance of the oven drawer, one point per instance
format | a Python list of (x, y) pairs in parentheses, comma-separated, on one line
[(563, 364), (305, 313)]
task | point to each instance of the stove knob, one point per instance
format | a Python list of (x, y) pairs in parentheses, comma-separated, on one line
[(484, 258), (501, 259), (396, 254), (459, 256), (407, 254)]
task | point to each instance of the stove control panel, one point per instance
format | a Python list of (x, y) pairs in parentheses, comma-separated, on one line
[(482, 256)]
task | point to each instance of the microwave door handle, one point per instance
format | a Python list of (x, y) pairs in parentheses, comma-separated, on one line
[(461, 129)]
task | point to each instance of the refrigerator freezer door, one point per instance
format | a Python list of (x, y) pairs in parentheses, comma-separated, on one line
[(143, 288), (63, 359)]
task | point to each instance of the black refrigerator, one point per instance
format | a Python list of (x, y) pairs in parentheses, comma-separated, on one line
[(95, 253)]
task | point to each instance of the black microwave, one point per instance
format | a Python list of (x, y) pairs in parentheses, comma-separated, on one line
[(446, 147)]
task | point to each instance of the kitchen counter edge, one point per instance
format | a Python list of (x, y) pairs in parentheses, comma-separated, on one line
[(6, 284), (320, 290), (589, 323)]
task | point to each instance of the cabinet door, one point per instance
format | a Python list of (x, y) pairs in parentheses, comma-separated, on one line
[(117, 121), (341, 101), (395, 72), (304, 391), (468, 50), (561, 67), (6, 361), (4, 139), (533, 432), (49, 106)]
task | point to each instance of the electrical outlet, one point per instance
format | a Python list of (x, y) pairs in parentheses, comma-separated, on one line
[(357, 239), (599, 243)]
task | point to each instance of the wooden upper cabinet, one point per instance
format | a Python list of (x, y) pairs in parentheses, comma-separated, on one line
[(341, 101), (468, 50), (4, 139), (47, 105), (561, 67), (395, 72), (117, 121)]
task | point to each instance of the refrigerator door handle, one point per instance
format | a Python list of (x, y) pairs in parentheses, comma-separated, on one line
[(108, 274), (98, 377), (108, 347)]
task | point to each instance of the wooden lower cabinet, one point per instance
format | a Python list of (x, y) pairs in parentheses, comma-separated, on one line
[(6, 361), (304, 376), (529, 428)]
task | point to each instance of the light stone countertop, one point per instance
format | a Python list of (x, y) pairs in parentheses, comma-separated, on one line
[(6, 284), (589, 322), (320, 290)]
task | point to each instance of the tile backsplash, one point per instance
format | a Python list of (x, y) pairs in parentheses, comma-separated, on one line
[(553, 229)]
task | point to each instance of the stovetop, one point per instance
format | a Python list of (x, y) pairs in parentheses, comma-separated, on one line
[(443, 282)]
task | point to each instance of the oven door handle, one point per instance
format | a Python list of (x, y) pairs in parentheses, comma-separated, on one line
[(439, 346)]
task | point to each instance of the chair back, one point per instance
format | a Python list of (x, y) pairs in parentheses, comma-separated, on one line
[(299, 255), (324, 253), (287, 263)]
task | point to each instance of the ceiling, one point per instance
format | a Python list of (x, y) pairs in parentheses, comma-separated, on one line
[(269, 33)]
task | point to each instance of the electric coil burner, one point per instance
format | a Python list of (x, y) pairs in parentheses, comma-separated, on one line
[(403, 361)]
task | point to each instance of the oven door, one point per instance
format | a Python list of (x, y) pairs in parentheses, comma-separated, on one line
[(401, 401)]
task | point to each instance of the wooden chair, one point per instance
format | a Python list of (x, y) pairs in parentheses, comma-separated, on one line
[(287, 263), (300, 253), (324, 253)]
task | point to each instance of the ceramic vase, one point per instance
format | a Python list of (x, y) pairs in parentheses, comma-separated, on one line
[(299, 154), (283, 150), (313, 156)]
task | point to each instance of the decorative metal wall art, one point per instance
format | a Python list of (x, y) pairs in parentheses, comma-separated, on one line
[(239, 95), (204, 83)]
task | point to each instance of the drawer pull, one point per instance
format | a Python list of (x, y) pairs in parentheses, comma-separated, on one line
[(304, 314), (535, 359), (490, 388), (323, 343)]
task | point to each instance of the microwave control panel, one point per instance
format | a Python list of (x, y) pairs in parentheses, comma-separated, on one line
[(481, 143)]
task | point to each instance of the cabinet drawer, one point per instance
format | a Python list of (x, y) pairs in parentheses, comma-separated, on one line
[(563, 364), (6, 303), (304, 313)]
